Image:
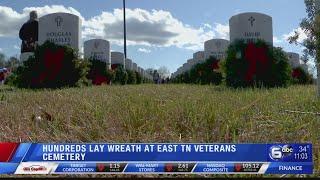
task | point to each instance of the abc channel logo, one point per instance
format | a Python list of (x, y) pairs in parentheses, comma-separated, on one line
[(279, 152)]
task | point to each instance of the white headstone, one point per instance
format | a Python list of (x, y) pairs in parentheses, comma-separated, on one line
[(198, 56), (179, 71), (216, 48), (293, 59), (98, 49), (192, 62), (134, 67), (128, 64), (117, 58), (185, 67), (60, 28), (250, 27)]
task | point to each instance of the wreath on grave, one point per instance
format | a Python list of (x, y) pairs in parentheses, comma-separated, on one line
[(139, 79), (99, 74), (132, 78), (114, 66), (121, 76), (205, 73), (52, 66), (300, 76), (256, 64)]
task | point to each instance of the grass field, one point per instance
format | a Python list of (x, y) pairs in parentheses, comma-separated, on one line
[(161, 113)]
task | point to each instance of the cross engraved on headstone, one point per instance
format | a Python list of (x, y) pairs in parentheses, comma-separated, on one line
[(96, 44), (218, 44), (251, 19), (58, 20)]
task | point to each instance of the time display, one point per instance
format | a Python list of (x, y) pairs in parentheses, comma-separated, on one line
[(301, 156)]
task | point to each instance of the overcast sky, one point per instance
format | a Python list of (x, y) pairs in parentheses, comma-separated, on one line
[(160, 32)]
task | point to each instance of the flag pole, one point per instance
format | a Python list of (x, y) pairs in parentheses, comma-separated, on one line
[(124, 30), (317, 61)]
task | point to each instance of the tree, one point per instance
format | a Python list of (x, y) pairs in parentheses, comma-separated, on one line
[(13, 63), (2, 60), (311, 26), (150, 71), (305, 58), (163, 72)]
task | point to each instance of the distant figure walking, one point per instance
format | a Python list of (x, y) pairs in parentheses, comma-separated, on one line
[(156, 77), (29, 33), (3, 73)]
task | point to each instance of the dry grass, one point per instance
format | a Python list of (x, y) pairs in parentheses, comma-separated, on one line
[(161, 113)]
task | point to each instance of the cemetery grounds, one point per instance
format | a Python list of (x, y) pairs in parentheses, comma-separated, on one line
[(162, 113)]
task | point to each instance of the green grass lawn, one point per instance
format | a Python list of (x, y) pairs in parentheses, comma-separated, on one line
[(161, 113)]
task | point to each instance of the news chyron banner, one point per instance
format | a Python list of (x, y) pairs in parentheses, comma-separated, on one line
[(34, 158)]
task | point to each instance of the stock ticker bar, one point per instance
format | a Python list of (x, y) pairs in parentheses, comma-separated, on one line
[(164, 158)]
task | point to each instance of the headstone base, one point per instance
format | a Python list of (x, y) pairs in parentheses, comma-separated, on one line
[(25, 56)]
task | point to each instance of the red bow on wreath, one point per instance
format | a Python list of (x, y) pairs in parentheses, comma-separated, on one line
[(255, 55), (99, 79), (296, 73), (215, 65), (52, 65), (114, 66), (53, 62)]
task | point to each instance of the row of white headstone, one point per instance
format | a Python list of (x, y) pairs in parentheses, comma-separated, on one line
[(99, 49), (249, 27), (214, 47), (294, 61), (65, 29)]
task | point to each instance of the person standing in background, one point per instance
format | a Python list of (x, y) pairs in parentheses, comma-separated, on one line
[(29, 33), (2, 76)]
